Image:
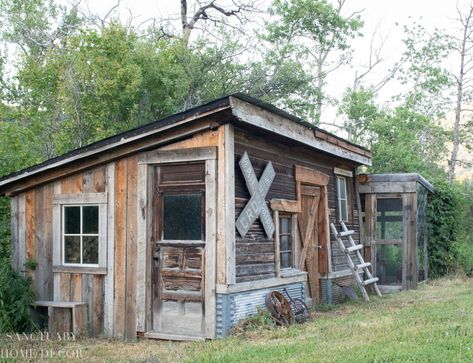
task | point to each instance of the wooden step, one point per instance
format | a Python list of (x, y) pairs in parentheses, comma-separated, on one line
[(363, 265), (353, 248), (369, 281), (346, 233)]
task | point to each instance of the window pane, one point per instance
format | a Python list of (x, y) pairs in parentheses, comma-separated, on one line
[(182, 216), (72, 249), (342, 188), (90, 220), (286, 243), (343, 210), (72, 220), (285, 225), (286, 259), (90, 252)]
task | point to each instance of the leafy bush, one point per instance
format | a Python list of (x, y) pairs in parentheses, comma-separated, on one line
[(16, 295), (465, 244), (444, 215)]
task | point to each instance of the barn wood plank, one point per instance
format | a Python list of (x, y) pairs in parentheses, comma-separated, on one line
[(30, 230), (141, 270), (39, 243), (206, 138), (56, 242), (120, 246), (14, 221), (109, 278), (48, 279), (210, 248), (131, 248), (21, 231), (97, 304), (65, 287)]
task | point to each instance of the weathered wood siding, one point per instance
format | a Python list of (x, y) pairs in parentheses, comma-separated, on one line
[(32, 239), (255, 252)]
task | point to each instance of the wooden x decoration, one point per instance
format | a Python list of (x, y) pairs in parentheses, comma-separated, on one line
[(256, 206)]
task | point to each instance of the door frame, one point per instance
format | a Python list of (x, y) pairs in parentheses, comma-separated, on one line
[(145, 215), (403, 244), (305, 175)]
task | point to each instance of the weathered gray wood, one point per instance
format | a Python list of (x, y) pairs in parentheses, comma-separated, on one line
[(301, 276), (80, 269), (256, 206), (109, 279), (175, 156), (21, 232), (253, 115), (142, 250), (81, 198), (406, 215), (210, 247), (277, 255), (57, 244), (226, 268), (14, 234), (407, 178), (344, 172), (388, 187)]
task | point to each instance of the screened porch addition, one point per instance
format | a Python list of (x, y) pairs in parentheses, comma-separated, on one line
[(394, 208)]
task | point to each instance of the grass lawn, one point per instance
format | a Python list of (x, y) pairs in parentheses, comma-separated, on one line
[(431, 324)]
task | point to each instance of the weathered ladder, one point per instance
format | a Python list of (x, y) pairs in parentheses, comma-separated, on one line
[(355, 268)]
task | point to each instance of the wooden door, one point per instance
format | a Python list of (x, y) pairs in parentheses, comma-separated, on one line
[(309, 223), (179, 250), (179, 298)]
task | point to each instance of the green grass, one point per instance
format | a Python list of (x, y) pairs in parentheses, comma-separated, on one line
[(431, 324)]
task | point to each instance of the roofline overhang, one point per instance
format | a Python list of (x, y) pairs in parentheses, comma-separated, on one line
[(267, 117)]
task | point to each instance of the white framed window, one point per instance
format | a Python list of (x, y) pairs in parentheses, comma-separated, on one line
[(342, 198), (80, 235), (80, 231)]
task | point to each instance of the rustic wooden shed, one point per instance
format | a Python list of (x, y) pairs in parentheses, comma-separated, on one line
[(395, 208), (178, 229)]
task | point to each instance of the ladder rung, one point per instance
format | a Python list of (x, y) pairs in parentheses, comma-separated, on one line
[(363, 265), (369, 281), (346, 233), (353, 248)]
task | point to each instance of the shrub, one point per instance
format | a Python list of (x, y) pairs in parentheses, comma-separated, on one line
[(16, 295), (444, 214)]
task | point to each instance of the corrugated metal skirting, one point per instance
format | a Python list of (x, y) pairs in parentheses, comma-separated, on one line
[(237, 306)]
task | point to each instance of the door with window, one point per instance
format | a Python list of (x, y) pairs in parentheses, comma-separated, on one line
[(179, 249), (389, 240)]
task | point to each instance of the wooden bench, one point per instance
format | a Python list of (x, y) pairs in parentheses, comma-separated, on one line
[(70, 317)]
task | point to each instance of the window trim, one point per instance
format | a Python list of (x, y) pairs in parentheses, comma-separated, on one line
[(84, 199), (287, 271), (80, 234), (340, 199)]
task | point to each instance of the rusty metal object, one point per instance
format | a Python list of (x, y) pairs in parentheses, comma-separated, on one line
[(286, 312), (299, 309), (279, 308)]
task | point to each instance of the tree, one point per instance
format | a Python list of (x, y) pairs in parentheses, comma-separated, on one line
[(317, 34), (463, 47)]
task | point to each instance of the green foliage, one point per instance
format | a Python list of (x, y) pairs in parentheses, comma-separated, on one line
[(465, 241), (443, 215), (315, 34), (31, 264), (16, 295)]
